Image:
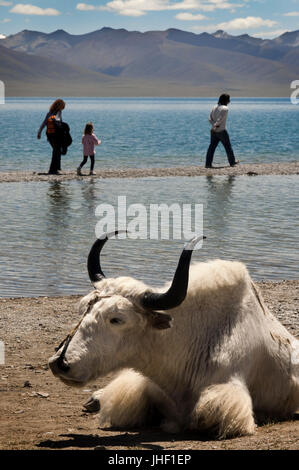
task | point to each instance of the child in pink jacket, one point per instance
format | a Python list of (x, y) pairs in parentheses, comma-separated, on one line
[(89, 140)]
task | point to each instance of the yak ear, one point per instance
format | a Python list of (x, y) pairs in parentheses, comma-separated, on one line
[(85, 307), (157, 320), (160, 321)]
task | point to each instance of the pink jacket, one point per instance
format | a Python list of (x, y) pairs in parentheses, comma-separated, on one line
[(89, 141)]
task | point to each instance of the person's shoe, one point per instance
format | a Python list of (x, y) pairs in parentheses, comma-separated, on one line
[(91, 173), (79, 171), (53, 173), (236, 163), (208, 166)]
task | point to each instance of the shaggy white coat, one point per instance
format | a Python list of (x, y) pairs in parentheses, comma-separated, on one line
[(225, 360)]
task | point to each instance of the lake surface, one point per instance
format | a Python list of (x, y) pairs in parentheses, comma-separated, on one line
[(47, 229), (149, 131)]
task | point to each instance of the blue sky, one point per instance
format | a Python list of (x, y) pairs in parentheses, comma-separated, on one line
[(261, 18)]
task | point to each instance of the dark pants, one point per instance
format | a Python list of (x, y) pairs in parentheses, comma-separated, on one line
[(56, 154), (85, 160), (222, 137)]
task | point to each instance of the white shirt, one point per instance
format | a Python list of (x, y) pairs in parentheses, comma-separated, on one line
[(218, 117)]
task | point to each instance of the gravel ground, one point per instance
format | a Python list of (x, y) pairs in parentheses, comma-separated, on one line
[(291, 168), (39, 412)]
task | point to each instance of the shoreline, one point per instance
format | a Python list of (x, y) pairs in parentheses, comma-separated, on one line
[(32, 327), (252, 169), (264, 284)]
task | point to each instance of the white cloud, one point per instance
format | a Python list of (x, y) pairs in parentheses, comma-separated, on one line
[(212, 5), (270, 34), (121, 9), (4, 3), (189, 17), (246, 23), (27, 9), (242, 24), (126, 7), (85, 7), (141, 7), (2, 36), (292, 13)]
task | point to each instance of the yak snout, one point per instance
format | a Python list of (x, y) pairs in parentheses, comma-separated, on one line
[(58, 365)]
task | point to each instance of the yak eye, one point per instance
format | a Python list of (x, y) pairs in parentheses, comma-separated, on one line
[(116, 321)]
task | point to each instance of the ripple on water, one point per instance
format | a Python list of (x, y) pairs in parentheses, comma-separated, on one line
[(47, 230)]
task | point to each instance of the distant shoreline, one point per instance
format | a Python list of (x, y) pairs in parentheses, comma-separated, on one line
[(283, 168), (172, 92)]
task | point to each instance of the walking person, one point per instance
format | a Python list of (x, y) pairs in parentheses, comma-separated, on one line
[(218, 118), (52, 120), (89, 140)]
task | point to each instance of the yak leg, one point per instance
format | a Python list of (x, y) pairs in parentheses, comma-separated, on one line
[(225, 409), (129, 400), (93, 404)]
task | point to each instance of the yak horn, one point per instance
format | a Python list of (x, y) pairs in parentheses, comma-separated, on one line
[(93, 262), (178, 289)]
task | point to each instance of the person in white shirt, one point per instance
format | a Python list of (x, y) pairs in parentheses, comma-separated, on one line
[(219, 133)]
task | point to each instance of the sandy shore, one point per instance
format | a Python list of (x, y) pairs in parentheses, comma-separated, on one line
[(39, 412), (291, 168)]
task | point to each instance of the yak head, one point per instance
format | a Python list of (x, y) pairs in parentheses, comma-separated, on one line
[(121, 319)]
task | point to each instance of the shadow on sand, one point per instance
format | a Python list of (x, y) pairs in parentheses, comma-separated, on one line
[(135, 439)]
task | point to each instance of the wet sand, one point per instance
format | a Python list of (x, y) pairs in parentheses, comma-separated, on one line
[(289, 168)]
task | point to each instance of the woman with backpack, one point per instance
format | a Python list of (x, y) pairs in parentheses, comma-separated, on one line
[(52, 120)]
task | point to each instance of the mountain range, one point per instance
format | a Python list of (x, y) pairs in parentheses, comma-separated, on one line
[(117, 62)]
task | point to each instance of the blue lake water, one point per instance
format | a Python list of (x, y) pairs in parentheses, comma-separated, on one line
[(149, 132), (47, 229)]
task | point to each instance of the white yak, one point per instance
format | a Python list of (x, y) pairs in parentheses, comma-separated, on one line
[(216, 361)]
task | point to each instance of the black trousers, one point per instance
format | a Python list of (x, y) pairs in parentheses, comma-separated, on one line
[(222, 137), (85, 160), (56, 153)]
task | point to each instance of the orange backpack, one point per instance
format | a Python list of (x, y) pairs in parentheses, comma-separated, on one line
[(51, 125)]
